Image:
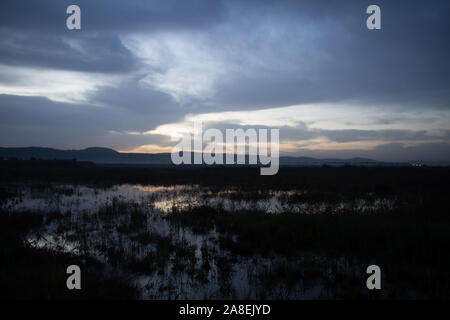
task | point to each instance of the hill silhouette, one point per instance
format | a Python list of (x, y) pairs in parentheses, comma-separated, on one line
[(109, 156)]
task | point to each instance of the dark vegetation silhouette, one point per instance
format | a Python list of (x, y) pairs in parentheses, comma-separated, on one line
[(409, 241)]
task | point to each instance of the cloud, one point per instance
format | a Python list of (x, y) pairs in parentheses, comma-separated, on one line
[(395, 152), (178, 65), (306, 128), (38, 121), (334, 118), (231, 55), (86, 52), (56, 85), (112, 15), (140, 71)]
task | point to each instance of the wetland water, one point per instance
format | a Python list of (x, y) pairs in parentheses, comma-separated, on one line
[(130, 229)]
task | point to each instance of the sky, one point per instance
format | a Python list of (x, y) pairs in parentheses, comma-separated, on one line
[(139, 73)]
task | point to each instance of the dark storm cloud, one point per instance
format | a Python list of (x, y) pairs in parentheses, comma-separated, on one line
[(263, 54), (28, 121), (335, 58), (384, 135), (100, 52), (349, 135), (404, 63), (34, 33), (302, 132), (112, 15), (395, 152), (134, 98)]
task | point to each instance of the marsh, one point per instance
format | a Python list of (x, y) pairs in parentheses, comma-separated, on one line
[(309, 234)]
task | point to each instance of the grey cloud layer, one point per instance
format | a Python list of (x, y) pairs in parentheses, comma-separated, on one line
[(310, 51), (102, 52), (30, 120), (432, 152), (267, 54), (303, 132)]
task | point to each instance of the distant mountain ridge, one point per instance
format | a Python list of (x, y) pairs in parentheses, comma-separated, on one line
[(110, 156), (94, 154)]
